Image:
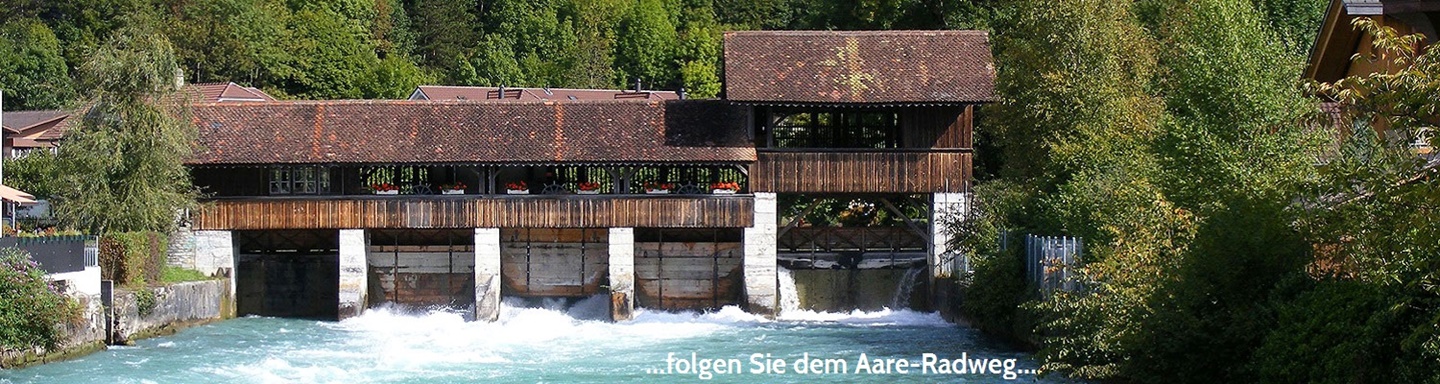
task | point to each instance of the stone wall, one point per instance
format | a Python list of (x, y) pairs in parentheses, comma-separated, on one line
[(177, 306)]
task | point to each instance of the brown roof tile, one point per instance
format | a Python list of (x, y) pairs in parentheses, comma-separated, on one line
[(225, 92), (441, 92), (392, 131), (859, 67)]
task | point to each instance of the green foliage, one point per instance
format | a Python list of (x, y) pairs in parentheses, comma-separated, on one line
[(145, 301), (644, 49), (31, 311), (1178, 166), (990, 293), (135, 259), (170, 274), (122, 167), (1373, 211), (33, 73), (445, 33), (33, 173)]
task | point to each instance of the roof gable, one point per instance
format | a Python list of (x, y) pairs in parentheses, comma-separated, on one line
[(893, 67)]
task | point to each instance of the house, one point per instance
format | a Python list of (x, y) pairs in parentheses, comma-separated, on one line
[(325, 208), (1338, 44), (27, 131)]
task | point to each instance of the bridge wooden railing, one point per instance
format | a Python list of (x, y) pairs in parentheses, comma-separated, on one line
[(861, 171), (569, 211), (850, 239)]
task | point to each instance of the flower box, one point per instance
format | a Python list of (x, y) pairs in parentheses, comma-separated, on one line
[(723, 191), (391, 192), (452, 192), (517, 191), (657, 191), (590, 192)]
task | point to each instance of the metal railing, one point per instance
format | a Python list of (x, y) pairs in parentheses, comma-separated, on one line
[(1050, 262)]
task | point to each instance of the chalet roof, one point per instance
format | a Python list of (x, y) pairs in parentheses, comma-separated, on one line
[(226, 92), (394, 131), (832, 67), (36, 129), (16, 121), (441, 92)]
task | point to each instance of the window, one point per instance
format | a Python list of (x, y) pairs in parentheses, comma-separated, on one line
[(835, 129), (303, 180)]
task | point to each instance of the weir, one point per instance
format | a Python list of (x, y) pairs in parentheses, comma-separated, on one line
[(655, 203)]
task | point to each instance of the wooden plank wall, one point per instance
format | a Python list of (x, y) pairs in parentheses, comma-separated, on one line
[(477, 212), (937, 127), (423, 275), (554, 262), (688, 275), (861, 172)]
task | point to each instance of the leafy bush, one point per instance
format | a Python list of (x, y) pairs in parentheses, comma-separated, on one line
[(145, 301), (132, 258), (31, 311)]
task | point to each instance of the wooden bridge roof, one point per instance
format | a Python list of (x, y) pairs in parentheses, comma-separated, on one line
[(529, 132), (870, 67)]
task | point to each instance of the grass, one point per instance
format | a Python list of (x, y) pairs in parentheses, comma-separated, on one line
[(172, 274)]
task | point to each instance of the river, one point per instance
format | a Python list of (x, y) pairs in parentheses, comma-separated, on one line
[(548, 342)]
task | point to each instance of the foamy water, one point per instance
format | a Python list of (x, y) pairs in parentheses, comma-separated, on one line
[(548, 343)]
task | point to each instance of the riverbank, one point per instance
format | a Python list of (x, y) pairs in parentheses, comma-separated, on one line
[(133, 315)]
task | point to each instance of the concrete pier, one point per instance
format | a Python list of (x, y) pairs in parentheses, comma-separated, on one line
[(487, 274), (353, 279), (945, 209), (215, 255), (622, 274), (761, 296)]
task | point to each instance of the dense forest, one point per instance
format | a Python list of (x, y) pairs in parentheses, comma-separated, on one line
[(325, 49)]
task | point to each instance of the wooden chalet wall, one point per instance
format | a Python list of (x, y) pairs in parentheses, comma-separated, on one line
[(477, 212), (936, 156)]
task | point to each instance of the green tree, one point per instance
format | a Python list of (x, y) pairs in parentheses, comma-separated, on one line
[(1373, 211), (121, 168), (330, 56), (644, 49), (445, 34), (232, 40), (32, 72)]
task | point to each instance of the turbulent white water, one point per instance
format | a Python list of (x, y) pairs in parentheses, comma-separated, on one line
[(789, 295), (551, 343), (905, 288)]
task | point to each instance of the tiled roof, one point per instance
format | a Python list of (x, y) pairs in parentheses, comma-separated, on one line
[(859, 67), (393, 131), (439, 92), (226, 92), (16, 121), (29, 129)]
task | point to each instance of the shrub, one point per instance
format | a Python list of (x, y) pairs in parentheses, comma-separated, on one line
[(31, 311), (133, 258)]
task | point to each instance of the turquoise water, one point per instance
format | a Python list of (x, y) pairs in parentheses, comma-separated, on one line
[(531, 345)]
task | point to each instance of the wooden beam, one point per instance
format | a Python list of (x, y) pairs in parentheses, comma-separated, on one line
[(798, 219), (908, 222)]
